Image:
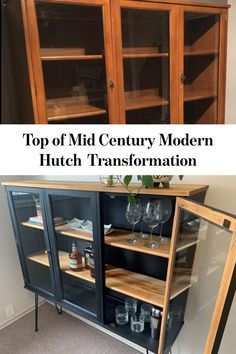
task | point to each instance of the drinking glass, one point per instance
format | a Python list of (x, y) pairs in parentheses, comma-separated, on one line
[(146, 311), (137, 323), (166, 210), (131, 305), (152, 216), (122, 315), (133, 215)]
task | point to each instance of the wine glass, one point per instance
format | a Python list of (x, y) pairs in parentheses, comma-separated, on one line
[(133, 215), (166, 212), (152, 216)]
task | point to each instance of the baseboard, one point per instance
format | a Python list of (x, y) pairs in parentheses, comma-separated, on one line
[(19, 315)]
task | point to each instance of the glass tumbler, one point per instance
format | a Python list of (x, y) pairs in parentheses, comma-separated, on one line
[(146, 311), (122, 315), (137, 323), (131, 305)]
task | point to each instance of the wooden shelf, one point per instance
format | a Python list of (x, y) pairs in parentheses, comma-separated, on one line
[(143, 99), (71, 107), (201, 52), (143, 287), (64, 265), (64, 230), (67, 231), (191, 94), (48, 54), (175, 190), (119, 238), (145, 55)]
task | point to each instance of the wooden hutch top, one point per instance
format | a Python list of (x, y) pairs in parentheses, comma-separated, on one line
[(177, 190)]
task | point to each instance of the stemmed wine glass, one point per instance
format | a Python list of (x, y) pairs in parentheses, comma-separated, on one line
[(133, 215), (152, 216), (166, 213)]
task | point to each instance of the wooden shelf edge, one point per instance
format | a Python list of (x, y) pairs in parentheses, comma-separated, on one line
[(176, 190), (42, 258)]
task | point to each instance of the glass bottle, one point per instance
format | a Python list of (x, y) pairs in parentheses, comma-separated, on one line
[(87, 251), (92, 264), (75, 258)]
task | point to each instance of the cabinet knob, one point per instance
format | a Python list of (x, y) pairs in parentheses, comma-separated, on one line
[(47, 252), (111, 84), (182, 77)]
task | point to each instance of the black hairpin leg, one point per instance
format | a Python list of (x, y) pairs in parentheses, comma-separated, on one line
[(36, 306), (146, 351), (59, 309)]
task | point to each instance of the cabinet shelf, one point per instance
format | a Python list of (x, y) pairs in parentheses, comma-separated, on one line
[(145, 55), (201, 52), (197, 94), (143, 99), (42, 258), (64, 230), (68, 107), (143, 287), (119, 238), (67, 54)]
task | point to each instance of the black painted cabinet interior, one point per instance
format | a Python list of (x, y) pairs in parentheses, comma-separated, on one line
[(44, 253)]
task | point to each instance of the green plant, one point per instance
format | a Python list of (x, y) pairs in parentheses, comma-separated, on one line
[(145, 182)]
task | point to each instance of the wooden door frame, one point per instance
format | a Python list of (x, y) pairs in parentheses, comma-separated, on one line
[(219, 219), (117, 36), (221, 85), (35, 62)]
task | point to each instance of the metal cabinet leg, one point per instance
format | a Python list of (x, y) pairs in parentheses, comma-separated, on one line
[(36, 306), (59, 309)]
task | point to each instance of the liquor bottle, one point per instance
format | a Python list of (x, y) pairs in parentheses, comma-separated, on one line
[(92, 264), (75, 258), (87, 251)]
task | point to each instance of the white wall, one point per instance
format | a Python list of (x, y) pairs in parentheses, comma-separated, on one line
[(11, 280)]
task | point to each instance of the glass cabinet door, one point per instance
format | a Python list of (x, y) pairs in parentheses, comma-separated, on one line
[(72, 60), (204, 260), (74, 225), (145, 62), (33, 245), (200, 76)]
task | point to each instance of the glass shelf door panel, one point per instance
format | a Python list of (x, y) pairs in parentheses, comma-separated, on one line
[(73, 62), (74, 222), (145, 54), (34, 242), (200, 271), (201, 67)]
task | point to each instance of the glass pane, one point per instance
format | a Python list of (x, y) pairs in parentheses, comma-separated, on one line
[(74, 226), (201, 61), (30, 222), (202, 249), (72, 53), (145, 40)]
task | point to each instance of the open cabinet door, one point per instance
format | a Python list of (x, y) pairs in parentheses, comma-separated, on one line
[(199, 279)]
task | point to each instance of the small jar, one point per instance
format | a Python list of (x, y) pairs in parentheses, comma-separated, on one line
[(92, 264), (87, 251)]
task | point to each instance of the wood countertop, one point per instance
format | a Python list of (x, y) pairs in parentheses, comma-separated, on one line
[(177, 190)]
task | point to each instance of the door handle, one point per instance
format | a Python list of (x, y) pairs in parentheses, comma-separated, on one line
[(111, 85)]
